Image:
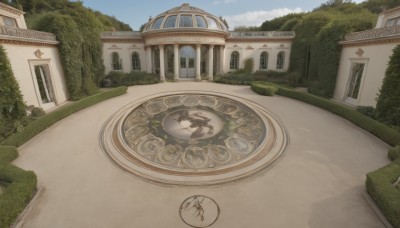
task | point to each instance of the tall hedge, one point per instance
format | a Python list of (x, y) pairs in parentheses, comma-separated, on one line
[(81, 49), (12, 106), (388, 104)]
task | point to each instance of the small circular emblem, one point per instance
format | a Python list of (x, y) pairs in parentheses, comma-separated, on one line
[(199, 211)]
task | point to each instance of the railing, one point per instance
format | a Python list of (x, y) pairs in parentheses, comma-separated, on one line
[(27, 34), (121, 34), (374, 33), (271, 34)]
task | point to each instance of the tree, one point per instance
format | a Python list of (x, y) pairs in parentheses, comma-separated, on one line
[(388, 104)]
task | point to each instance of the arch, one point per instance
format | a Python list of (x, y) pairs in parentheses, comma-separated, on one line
[(234, 63), (280, 62), (136, 61), (263, 60), (116, 61)]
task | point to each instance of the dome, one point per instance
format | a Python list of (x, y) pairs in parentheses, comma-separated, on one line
[(185, 17)]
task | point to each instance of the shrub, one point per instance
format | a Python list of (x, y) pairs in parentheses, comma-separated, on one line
[(382, 131), (37, 112), (394, 153), (249, 65), (388, 104), (270, 76), (264, 88), (20, 188), (119, 78), (366, 110), (44, 122), (12, 106), (235, 79), (380, 185)]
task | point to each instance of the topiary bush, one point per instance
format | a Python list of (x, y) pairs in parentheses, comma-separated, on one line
[(380, 186), (20, 188), (394, 153), (388, 104), (366, 110), (264, 88), (12, 106)]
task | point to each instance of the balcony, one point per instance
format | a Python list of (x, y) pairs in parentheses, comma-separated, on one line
[(385, 32), (269, 34), (26, 35)]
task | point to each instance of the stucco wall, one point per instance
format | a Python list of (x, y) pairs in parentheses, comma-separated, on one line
[(125, 51), (23, 59), (376, 58), (253, 50)]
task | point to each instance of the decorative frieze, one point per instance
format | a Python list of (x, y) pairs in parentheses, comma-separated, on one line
[(26, 35), (374, 33)]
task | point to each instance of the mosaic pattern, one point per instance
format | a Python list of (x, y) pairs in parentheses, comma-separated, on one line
[(199, 211), (193, 131), (193, 138)]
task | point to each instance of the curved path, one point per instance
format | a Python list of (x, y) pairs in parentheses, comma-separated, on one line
[(318, 182)]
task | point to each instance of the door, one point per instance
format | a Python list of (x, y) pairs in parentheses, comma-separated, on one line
[(44, 86), (354, 84), (187, 58)]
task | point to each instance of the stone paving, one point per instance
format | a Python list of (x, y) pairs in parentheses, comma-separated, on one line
[(318, 182)]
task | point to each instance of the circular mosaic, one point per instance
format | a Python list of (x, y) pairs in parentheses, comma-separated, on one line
[(193, 138)]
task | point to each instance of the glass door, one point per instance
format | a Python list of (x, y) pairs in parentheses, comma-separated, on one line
[(187, 58), (354, 84)]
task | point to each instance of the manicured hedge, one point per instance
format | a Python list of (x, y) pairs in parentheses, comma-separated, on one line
[(380, 186), (264, 88), (20, 188), (382, 131), (46, 121), (394, 153)]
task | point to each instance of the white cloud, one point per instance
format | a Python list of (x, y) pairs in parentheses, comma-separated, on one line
[(256, 18), (223, 2)]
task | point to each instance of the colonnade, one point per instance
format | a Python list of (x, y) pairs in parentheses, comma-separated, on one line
[(211, 47)]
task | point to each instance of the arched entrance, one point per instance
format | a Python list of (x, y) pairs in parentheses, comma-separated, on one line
[(187, 58)]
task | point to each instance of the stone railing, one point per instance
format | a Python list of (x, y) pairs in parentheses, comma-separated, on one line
[(122, 34), (271, 34), (26, 34), (374, 33)]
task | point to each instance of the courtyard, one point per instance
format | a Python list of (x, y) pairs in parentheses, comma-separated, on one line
[(317, 181)]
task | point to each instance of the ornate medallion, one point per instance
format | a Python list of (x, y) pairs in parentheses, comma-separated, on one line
[(199, 211), (193, 138)]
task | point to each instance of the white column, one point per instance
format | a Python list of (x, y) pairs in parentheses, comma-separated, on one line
[(221, 60), (176, 62), (198, 59), (162, 66), (211, 63), (149, 60)]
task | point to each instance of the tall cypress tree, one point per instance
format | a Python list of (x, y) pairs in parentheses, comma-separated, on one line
[(388, 105), (12, 106)]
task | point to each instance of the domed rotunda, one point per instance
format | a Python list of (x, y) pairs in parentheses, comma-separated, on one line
[(188, 43)]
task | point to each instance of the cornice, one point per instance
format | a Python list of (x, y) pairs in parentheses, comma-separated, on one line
[(28, 42), (368, 42), (252, 40), (10, 9)]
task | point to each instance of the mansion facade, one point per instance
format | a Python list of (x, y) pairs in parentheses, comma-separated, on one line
[(187, 43)]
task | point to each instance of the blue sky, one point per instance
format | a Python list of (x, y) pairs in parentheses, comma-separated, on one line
[(236, 12)]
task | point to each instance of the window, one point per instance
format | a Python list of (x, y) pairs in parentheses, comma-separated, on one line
[(356, 73), (201, 22), (9, 22), (44, 83), (234, 63), (186, 21), (393, 21), (170, 22), (135, 61), (212, 24), (158, 22), (264, 60), (280, 62), (116, 61)]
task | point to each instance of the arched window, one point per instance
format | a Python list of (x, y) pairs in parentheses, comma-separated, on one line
[(280, 62), (234, 63), (116, 61), (135, 61), (264, 60)]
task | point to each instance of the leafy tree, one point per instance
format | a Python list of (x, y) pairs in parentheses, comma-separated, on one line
[(277, 23), (388, 104)]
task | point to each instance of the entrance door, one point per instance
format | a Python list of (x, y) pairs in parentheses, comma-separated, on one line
[(187, 54), (44, 86), (354, 84)]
